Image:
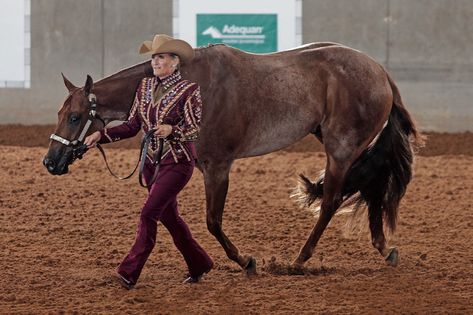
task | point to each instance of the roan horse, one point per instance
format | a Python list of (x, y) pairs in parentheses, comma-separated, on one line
[(257, 104)]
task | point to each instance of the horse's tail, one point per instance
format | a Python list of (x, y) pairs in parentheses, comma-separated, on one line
[(408, 126), (379, 177)]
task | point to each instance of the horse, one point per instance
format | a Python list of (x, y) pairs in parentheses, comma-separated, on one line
[(255, 104)]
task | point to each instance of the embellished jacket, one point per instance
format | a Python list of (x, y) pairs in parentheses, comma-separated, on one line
[(172, 101)]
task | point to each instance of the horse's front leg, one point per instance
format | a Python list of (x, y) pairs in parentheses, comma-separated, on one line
[(332, 198), (216, 187)]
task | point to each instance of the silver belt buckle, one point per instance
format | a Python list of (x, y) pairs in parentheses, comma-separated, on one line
[(153, 153)]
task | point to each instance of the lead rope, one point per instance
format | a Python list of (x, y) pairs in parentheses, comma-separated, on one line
[(141, 160)]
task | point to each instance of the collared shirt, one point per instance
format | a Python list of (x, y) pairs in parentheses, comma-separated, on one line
[(172, 101), (162, 86)]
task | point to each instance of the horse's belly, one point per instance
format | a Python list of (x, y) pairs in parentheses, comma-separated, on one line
[(278, 134)]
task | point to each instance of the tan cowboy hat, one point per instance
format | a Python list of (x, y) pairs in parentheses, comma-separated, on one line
[(166, 44)]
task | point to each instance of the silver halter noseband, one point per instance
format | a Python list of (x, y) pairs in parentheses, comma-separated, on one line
[(78, 148)]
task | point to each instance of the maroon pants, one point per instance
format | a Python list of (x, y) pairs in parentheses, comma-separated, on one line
[(161, 205)]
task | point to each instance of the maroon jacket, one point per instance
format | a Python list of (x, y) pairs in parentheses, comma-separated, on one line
[(179, 106)]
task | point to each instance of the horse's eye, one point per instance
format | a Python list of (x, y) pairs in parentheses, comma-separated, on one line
[(73, 119)]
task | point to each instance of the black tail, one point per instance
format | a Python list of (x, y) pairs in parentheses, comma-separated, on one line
[(379, 177)]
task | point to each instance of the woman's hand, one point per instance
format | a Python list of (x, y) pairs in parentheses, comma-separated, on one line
[(163, 131), (92, 139)]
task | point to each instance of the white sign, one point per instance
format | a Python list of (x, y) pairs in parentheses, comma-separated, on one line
[(251, 25), (14, 43)]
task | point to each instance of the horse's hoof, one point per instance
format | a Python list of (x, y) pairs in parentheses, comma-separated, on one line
[(297, 264), (392, 259), (251, 267)]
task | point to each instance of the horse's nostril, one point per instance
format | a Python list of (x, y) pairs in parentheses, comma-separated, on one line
[(50, 165)]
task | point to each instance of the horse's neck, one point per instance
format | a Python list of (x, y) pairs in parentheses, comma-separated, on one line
[(116, 93)]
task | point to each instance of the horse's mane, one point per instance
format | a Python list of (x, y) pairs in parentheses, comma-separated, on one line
[(209, 46), (139, 69)]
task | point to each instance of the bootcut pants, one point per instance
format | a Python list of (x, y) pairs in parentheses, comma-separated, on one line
[(161, 205)]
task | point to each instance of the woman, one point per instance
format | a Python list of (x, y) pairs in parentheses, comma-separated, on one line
[(173, 107)]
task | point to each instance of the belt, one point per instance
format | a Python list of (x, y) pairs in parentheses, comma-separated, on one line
[(152, 154)]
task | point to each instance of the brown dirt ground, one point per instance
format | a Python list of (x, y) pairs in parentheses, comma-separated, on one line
[(436, 144), (62, 237)]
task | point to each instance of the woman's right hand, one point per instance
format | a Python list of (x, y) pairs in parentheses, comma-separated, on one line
[(92, 139)]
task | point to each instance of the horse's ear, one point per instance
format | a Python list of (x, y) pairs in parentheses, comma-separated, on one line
[(68, 83), (89, 83)]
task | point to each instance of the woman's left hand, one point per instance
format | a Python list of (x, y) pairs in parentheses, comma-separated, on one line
[(163, 131)]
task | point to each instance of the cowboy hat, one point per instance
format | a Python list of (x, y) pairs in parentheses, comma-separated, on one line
[(166, 44)]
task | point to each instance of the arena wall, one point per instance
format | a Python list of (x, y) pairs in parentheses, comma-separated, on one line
[(425, 45)]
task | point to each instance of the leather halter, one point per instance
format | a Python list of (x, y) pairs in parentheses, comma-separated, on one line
[(78, 147)]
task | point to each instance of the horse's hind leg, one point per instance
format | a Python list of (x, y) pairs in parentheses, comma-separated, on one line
[(332, 198), (391, 255), (216, 187)]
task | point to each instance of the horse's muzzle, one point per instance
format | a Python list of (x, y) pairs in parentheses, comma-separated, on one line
[(58, 166), (49, 164)]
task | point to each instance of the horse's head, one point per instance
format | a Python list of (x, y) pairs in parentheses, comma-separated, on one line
[(76, 118)]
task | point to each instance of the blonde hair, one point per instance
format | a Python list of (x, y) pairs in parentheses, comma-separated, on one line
[(174, 56)]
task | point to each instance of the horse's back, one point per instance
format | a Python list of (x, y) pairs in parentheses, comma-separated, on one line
[(295, 90), (313, 62)]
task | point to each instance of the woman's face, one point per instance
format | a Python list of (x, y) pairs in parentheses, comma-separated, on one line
[(163, 64)]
